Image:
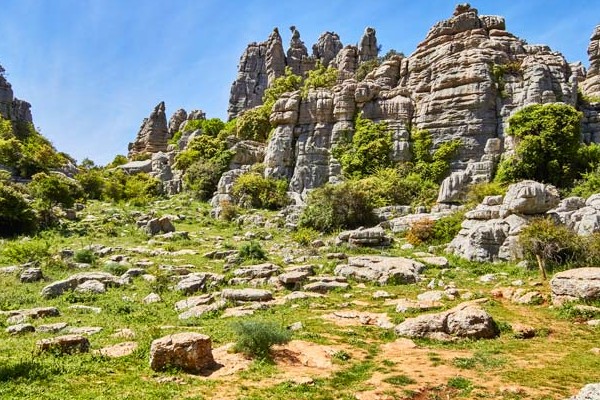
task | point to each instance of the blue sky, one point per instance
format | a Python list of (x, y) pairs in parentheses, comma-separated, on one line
[(93, 69)]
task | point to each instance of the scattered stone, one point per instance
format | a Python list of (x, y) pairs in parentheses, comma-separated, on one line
[(487, 278), (20, 328), (91, 286), (265, 270), (89, 309), (467, 320), (119, 350), (362, 237), (124, 333), (432, 296), (407, 246), (324, 284), (65, 344), (52, 328), (19, 316), (441, 262), (406, 305), (198, 281), (85, 330), (296, 326), (576, 285), (589, 392), (193, 301), (381, 294), (33, 274), (200, 310), (189, 351), (247, 294), (383, 270), (59, 287), (521, 331), (298, 295), (152, 298)]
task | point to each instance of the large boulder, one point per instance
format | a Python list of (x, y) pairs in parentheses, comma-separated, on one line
[(530, 198), (189, 351), (576, 285), (467, 320), (588, 392), (65, 344), (382, 270)]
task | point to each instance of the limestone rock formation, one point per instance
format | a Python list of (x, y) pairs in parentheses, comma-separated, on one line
[(153, 134), (327, 47), (367, 47), (580, 284), (591, 85), (178, 118), (12, 108)]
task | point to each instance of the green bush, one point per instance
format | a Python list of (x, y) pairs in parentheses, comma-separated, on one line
[(91, 182), (252, 251), (365, 68), (203, 147), (202, 177), (24, 251), (332, 207), (479, 191), (548, 145), (118, 160), (138, 189), (253, 190), (588, 185), (304, 236), (256, 337), (550, 244), (254, 124), (420, 232), (16, 215), (289, 82), (369, 149), (55, 189), (86, 256), (446, 228), (320, 77), (432, 165)]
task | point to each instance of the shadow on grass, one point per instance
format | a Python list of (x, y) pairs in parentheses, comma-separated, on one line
[(29, 370)]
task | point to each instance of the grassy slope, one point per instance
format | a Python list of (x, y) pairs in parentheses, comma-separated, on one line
[(553, 365)]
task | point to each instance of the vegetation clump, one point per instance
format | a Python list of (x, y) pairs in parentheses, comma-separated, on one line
[(255, 338)]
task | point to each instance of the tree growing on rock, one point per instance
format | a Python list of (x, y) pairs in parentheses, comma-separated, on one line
[(548, 146)]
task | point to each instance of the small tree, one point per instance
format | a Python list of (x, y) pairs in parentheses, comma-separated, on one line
[(16, 215), (55, 189), (256, 337), (549, 243)]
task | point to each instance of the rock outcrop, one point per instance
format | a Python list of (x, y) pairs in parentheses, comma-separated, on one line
[(153, 134), (189, 351), (580, 284), (12, 108), (591, 85), (463, 82)]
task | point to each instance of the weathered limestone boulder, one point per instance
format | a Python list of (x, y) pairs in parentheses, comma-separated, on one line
[(247, 294), (588, 392), (19, 316), (59, 287), (365, 237), (19, 329), (198, 281), (33, 274), (159, 225), (324, 284), (294, 275), (591, 85), (12, 108), (383, 270), (467, 320), (201, 309), (92, 286), (189, 351), (247, 152), (529, 198), (327, 47), (578, 284), (65, 344), (265, 270), (153, 134)]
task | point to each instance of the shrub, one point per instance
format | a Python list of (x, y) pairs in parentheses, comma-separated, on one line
[(202, 177), (369, 149), (118, 160), (342, 206), (16, 215), (421, 231), (289, 82), (479, 191), (228, 210), (432, 165), (550, 244), (91, 182), (86, 256), (588, 185), (446, 228), (255, 337), (304, 236), (365, 68), (320, 77), (138, 189), (254, 124), (24, 251), (203, 147), (55, 189), (548, 142), (253, 190), (252, 251)]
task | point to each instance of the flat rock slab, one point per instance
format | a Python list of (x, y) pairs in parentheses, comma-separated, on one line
[(52, 328), (19, 329), (383, 270), (189, 351), (119, 350), (576, 285), (350, 318), (325, 286), (200, 310), (19, 316), (467, 320), (65, 344), (299, 295), (193, 301), (406, 305), (265, 270), (247, 294), (85, 330), (57, 288)]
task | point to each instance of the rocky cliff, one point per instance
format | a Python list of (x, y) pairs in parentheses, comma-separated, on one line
[(465, 79), (12, 108), (153, 134)]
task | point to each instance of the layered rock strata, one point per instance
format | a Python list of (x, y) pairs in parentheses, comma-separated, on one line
[(153, 134), (12, 108)]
